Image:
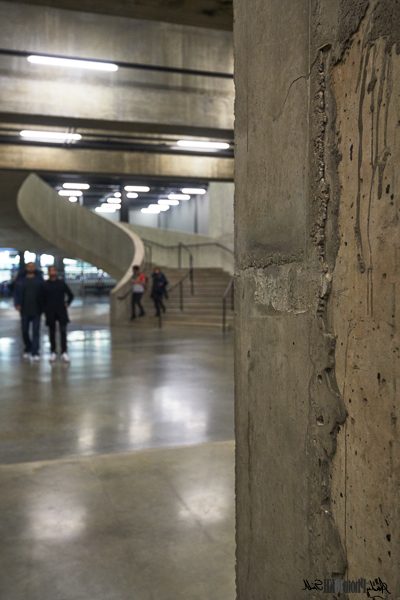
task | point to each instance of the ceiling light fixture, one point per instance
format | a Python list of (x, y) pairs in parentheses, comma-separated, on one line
[(106, 208), (178, 197), (166, 201), (73, 199), (117, 195), (164, 207), (115, 201), (132, 195), (194, 191), (55, 61), (49, 136), (137, 188), (70, 193), (202, 145), (76, 186)]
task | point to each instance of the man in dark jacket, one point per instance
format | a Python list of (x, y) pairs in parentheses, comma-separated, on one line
[(57, 297), (158, 290), (28, 300)]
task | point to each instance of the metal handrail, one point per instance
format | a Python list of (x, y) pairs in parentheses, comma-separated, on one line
[(215, 244), (230, 290), (179, 284)]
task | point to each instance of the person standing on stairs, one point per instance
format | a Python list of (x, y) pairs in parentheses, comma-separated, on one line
[(159, 290), (139, 284), (57, 298)]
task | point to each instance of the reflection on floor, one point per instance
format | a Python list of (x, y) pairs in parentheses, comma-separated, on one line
[(117, 471)]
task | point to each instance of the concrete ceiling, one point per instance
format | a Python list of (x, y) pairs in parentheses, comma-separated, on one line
[(215, 14)]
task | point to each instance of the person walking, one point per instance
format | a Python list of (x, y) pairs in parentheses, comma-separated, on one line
[(57, 299), (159, 290), (139, 283), (28, 300)]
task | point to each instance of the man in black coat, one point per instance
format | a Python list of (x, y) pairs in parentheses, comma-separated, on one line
[(159, 290), (28, 300), (57, 298)]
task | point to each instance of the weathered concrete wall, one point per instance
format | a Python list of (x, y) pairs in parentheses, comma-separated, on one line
[(317, 237), (365, 294), (154, 99)]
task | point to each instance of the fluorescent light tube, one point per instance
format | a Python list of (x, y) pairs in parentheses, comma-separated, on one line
[(178, 197), (194, 191), (73, 199), (200, 145), (70, 193), (54, 61), (132, 195), (165, 201), (137, 188), (76, 186), (106, 208), (49, 136)]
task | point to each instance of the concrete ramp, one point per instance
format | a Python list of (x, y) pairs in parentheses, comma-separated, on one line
[(80, 233)]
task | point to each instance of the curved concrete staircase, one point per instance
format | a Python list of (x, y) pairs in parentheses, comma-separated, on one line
[(80, 233)]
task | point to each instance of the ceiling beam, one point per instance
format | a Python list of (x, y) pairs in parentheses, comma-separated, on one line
[(135, 164)]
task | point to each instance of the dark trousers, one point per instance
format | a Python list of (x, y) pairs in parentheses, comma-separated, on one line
[(158, 304), (31, 345), (63, 336), (137, 301)]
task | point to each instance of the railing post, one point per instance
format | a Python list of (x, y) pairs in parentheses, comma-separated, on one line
[(179, 255), (191, 275), (181, 295)]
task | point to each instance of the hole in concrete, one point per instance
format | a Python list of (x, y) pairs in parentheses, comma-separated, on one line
[(320, 420)]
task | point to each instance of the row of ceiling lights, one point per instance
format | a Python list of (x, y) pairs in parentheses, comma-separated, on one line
[(165, 204), (64, 137), (113, 203)]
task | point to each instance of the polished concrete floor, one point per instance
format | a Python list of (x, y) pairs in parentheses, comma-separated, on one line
[(116, 472)]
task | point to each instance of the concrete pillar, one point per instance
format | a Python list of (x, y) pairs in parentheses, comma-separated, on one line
[(317, 273)]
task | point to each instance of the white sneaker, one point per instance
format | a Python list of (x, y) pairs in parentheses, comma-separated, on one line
[(65, 358), (35, 358), (53, 357), (26, 356)]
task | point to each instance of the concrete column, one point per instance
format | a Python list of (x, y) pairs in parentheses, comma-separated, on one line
[(317, 280)]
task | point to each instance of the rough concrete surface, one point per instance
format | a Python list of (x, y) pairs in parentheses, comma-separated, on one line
[(364, 302), (317, 230)]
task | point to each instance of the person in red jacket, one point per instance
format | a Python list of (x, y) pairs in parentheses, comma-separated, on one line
[(139, 283)]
